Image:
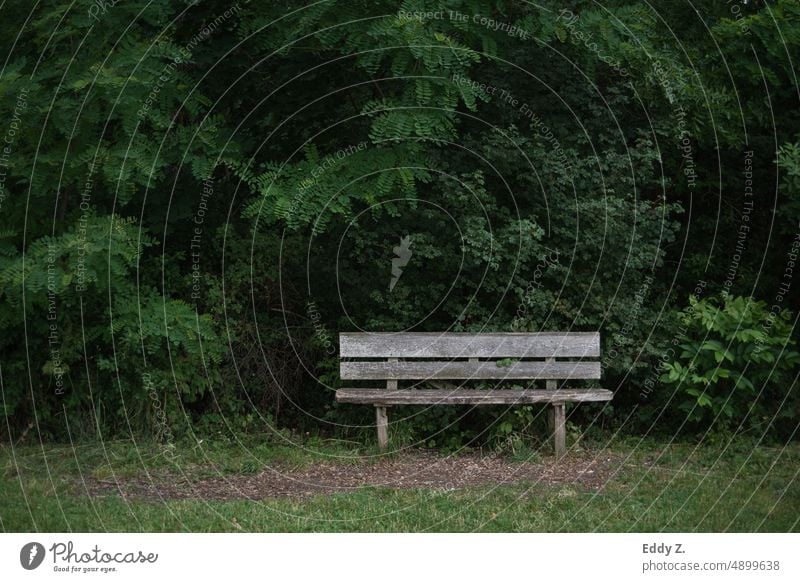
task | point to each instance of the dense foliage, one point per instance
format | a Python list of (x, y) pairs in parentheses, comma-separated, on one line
[(732, 364), (198, 196)]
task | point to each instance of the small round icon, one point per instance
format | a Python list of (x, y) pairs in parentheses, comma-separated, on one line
[(31, 555)]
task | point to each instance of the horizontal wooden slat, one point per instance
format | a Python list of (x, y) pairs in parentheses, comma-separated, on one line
[(470, 396), (470, 345), (460, 370)]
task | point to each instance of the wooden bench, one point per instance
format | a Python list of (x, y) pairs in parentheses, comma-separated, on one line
[(433, 357)]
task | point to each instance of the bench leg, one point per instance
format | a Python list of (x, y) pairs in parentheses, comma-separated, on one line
[(382, 421), (559, 429)]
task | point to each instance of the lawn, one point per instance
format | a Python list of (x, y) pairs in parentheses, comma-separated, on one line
[(640, 485)]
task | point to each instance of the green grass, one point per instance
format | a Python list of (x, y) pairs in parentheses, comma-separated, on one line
[(659, 487)]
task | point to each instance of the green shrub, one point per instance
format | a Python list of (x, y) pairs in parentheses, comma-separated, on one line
[(735, 364)]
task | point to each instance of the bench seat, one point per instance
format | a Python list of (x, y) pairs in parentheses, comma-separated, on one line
[(470, 396), (432, 357)]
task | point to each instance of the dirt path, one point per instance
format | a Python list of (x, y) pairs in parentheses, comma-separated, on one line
[(409, 470)]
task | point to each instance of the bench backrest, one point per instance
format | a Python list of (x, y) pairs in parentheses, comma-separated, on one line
[(469, 356)]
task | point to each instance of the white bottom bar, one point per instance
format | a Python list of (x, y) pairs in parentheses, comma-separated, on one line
[(389, 557)]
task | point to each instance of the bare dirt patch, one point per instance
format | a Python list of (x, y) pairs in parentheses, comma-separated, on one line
[(417, 469)]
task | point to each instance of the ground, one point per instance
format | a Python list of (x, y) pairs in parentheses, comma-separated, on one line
[(413, 469), (252, 483)]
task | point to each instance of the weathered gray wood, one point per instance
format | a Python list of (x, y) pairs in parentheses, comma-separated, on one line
[(559, 430), (382, 422), (472, 348), (551, 414), (391, 384), (468, 345), (460, 370), (470, 396), (551, 384)]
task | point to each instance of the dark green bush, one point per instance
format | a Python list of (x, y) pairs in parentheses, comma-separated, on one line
[(736, 364)]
